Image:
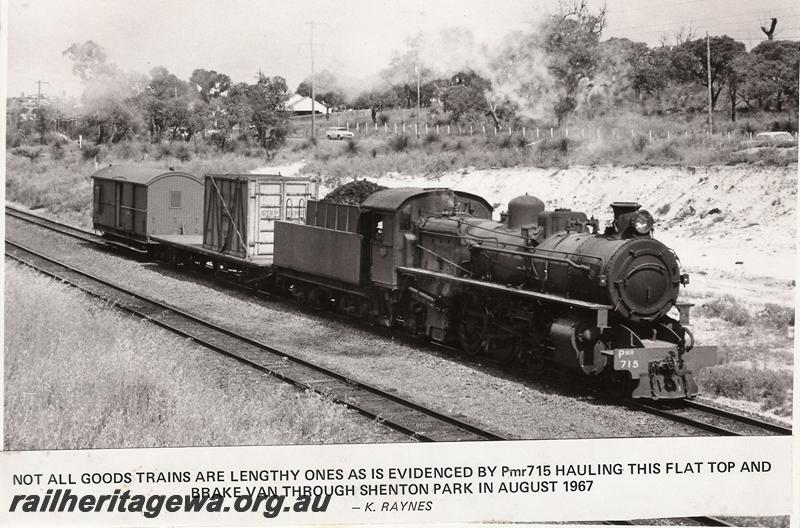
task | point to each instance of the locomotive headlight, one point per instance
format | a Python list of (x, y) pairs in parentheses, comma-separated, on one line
[(642, 222)]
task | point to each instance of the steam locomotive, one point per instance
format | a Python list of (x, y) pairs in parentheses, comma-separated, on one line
[(546, 288), (542, 288)]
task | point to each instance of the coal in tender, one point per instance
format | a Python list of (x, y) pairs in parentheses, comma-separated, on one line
[(353, 193)]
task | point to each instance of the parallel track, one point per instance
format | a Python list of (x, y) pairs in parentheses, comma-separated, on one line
[(399, 414), (392, 411), (711, 419), (53, 225)]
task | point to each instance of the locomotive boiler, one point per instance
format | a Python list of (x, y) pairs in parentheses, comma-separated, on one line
[(594, 302)]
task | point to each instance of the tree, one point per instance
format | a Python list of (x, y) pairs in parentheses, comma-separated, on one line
[(111, 97), (327, 88), (779, 68), (167, 102), (267, 100), (571, 40), (209, 84), (689, 63), (376, 100)]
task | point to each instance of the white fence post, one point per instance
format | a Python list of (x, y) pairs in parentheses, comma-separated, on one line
[(650, 135), (470, 130), (448, 130), (404, 127), (537, 132), (484, 129), (395, 128), (347, 125), (385, 126), (551, 132), (523, 131), (495, 131)]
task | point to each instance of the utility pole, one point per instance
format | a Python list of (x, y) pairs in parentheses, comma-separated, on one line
[(418, 105), (39, 94), (708, 67), (313, 84)]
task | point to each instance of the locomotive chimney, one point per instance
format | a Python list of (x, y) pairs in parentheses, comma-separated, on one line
[(524, 210), (622, 214), (621, 208)]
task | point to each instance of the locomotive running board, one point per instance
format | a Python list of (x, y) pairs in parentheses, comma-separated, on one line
[(601, 309)]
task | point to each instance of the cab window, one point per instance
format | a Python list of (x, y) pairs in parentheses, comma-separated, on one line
[(382, 229)]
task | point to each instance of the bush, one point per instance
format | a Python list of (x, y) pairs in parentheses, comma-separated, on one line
[(183, 153), (33, 154), (126, 150), (775, 315), (639, 142), (505, 141), (399, 142), (663, 152), (748, 382), (431, 137), (784, 125), (351, 148), (728, 309), (163, 150), (383, 119), (56, 151)]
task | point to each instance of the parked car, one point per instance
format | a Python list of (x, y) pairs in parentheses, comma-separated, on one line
[(338, 133), (768, 139)]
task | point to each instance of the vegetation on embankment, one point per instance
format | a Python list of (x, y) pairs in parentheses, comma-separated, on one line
[(756, 351), (79, 374)]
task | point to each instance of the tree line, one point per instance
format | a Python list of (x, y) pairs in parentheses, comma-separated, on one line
[(556, 69)]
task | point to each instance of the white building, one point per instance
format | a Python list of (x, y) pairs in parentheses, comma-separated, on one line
[(300, 105)]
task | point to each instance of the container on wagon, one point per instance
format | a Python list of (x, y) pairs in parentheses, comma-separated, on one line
[(240, 211)]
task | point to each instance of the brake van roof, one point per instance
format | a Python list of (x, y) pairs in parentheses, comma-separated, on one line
[(138, 175)]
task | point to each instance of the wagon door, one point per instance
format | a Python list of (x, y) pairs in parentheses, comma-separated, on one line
[(266, 206), (126, 209)]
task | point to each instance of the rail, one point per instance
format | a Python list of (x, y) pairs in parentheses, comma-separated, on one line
[(399, 414)]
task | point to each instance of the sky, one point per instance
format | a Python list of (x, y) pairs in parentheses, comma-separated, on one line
[(354, 38)]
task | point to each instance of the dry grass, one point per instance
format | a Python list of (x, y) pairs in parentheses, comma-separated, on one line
[(755, 351), (63, 186), (81, 375)]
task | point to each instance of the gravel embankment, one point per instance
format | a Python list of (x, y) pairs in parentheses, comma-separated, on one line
[(483, 394)]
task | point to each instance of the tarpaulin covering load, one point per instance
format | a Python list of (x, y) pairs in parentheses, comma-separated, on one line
[(241, 211)]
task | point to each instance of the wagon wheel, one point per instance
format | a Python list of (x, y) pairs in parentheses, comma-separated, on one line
[(618, 384), (533, 360), (503, 350), (319, 299)]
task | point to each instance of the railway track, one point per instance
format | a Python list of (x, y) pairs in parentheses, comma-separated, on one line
[(685, 521), (84, 235), (691, 413), (394, 412), (711, 419)]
